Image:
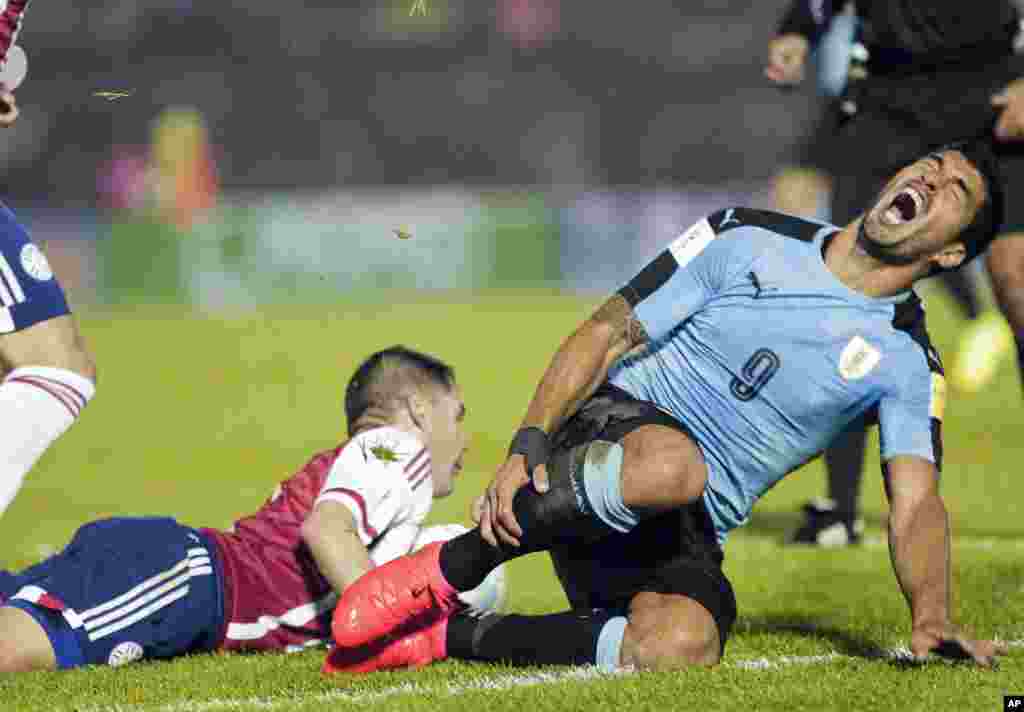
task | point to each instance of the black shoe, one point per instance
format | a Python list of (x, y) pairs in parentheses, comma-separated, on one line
[(825, 527)]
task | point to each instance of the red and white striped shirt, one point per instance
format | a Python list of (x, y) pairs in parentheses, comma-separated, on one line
[(275, 597)]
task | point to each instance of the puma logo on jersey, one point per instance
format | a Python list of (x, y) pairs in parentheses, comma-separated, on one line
[(858, 359), (728, 218), (758, 287)]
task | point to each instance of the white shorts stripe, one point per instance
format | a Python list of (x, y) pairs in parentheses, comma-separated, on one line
[(120, 612), (147, 584), (139, 615), (5, 294), (132, 593), (12, 280)]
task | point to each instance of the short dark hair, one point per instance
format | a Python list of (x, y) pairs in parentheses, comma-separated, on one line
[(988, 222), (386, 376)]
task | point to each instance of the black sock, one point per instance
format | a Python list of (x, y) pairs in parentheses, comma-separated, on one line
[(468, 558), (844, 461), (556, 517), (568, 638)]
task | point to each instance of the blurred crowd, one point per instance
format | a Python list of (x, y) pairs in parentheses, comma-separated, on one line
[(318, 93)]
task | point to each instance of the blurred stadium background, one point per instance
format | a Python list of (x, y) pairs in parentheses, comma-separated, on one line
[(225, 223), (266, 151)]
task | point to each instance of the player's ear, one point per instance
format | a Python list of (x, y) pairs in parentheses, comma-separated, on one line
[(416, 403)]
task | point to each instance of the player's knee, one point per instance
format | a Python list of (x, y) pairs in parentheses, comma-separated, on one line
[(668, 631), (55, 343), (24, 646), (12, 658), (665, 647), (85, 365), (662, 466)]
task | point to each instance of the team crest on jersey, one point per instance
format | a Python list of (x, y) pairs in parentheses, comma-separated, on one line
[(35, 264), (858, 359), (383, 450), (124, 653), (384, 453)]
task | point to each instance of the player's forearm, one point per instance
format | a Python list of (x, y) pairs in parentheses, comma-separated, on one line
[(919, 545), (575, 372), (582, 363), (339, 553)]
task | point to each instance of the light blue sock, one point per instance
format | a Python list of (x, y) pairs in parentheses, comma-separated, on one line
[(609, 643), (602, 483)]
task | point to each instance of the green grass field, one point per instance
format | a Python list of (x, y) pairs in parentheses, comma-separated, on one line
[(199, 416)]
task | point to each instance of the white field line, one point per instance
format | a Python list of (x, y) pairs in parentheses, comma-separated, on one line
[(502, 682)]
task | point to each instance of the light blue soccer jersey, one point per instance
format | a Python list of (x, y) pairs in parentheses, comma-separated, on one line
[(760, 350)]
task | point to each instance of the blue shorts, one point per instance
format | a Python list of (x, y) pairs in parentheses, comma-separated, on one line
[(123, 590), (29, 292)]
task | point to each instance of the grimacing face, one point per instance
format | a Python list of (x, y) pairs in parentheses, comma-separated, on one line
[(924, 207), (447, 436)]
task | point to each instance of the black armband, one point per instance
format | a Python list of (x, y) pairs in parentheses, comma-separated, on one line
[(533, 443)]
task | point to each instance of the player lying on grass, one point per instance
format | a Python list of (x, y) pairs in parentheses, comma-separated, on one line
[(125, 589), (749, 344)]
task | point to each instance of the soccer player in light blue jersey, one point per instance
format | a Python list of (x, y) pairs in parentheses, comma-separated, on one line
[(733, 358)]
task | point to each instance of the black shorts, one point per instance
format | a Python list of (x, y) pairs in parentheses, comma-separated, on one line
[(899, 118), (675, 552)]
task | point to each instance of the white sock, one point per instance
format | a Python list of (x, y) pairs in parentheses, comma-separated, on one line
[(37, 404)]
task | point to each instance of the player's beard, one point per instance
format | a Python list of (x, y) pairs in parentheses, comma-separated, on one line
[(878, 251)]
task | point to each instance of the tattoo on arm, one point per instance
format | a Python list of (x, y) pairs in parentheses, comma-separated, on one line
[(617, 312)]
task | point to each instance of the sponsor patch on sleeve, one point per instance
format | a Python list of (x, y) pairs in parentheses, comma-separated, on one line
[(692, 242)]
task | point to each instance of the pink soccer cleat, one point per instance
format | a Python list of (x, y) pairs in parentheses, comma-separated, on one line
[(408, 592), (413, 650)]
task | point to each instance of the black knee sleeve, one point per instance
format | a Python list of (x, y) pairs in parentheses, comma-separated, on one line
[(561, 515)]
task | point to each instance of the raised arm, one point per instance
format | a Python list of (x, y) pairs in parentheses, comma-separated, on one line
[(919, 544)]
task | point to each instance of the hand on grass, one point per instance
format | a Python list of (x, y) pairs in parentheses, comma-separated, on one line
[(947, 641)]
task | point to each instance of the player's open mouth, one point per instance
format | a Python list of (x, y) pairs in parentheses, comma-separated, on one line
[(907, 205)]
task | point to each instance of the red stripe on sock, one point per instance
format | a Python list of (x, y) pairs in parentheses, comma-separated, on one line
[(46, 386), (68, 390)]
